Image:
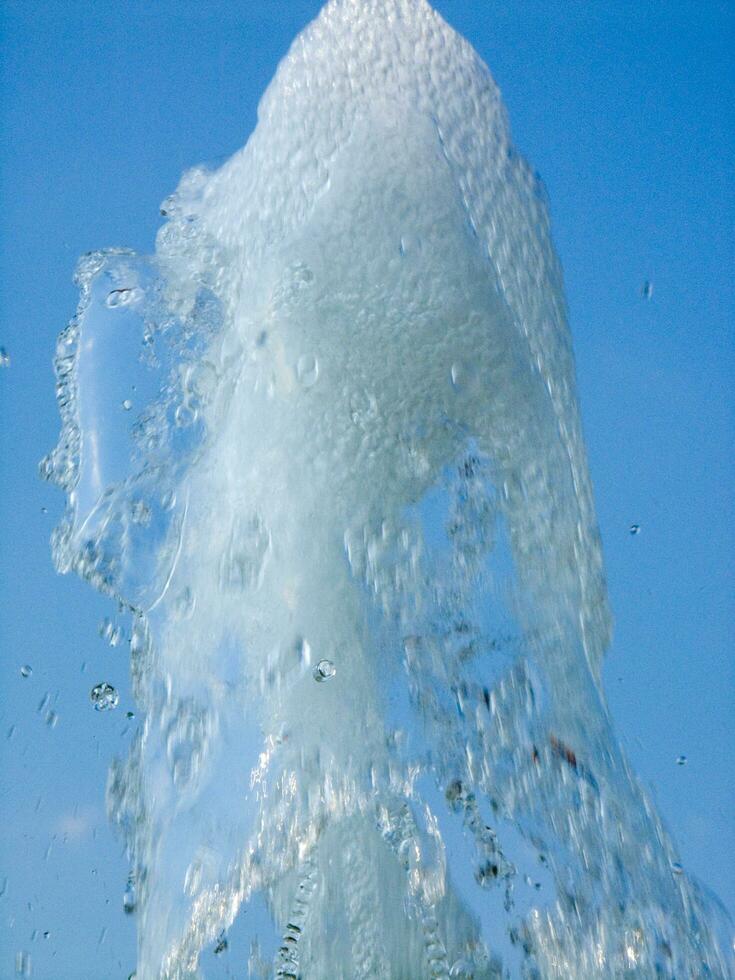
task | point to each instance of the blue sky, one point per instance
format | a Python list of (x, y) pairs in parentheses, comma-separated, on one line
[(624, 109)]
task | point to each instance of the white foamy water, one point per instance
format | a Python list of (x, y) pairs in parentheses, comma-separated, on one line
[(325, 445)]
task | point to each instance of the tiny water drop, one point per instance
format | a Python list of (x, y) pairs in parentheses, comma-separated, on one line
[(324, 670), (681, 760), (129, 898), (122, 297), (22, 964), (4, 358), (677, 868), (307, 370), (26, 670), (104, 697), (127, 404), (635, 529), (487, 874)]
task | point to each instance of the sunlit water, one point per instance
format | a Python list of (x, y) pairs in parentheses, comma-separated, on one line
[(325, 446)]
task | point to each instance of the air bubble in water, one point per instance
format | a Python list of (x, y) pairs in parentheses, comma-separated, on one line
[(681, 760), (635, 529), (104, 697), (4, 358), (26, 670), (127, 404), (677, 868), (324, 670)]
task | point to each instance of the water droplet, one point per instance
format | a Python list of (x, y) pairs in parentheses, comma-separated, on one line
[(104, 697), (110, 632), (462, 970), (635, 529), (22, 964), (647, 289), (324, 670), (221, 944), (4, 358), (185, 415), (487, 874), (127, 404), (676, 868), (122, 297), (140, 513), (244, 559), (129, 898), (681, 760), (184, 603), (307, 370), (303, 652), (26, 670)]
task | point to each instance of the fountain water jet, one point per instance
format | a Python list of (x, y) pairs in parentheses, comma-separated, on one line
[(332, 421)]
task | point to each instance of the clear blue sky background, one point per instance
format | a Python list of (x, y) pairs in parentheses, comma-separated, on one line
[(625, 108)]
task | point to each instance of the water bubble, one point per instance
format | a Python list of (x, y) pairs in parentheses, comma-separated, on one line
[(104, 697), (26, 670), (677, 868), (307, 370), (127, 404), (22, 964), (647, 289), (4, 358), (681, 760), (324, 670), (635, 529)]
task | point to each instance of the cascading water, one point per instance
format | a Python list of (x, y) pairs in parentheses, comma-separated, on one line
[(324, 445)]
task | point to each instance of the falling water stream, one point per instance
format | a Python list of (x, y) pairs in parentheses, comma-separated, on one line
[(324, 446)]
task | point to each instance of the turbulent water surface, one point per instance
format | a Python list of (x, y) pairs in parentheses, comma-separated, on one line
[(324, 444)]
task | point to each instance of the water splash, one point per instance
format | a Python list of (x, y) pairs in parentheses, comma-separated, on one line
[(333, 421)]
